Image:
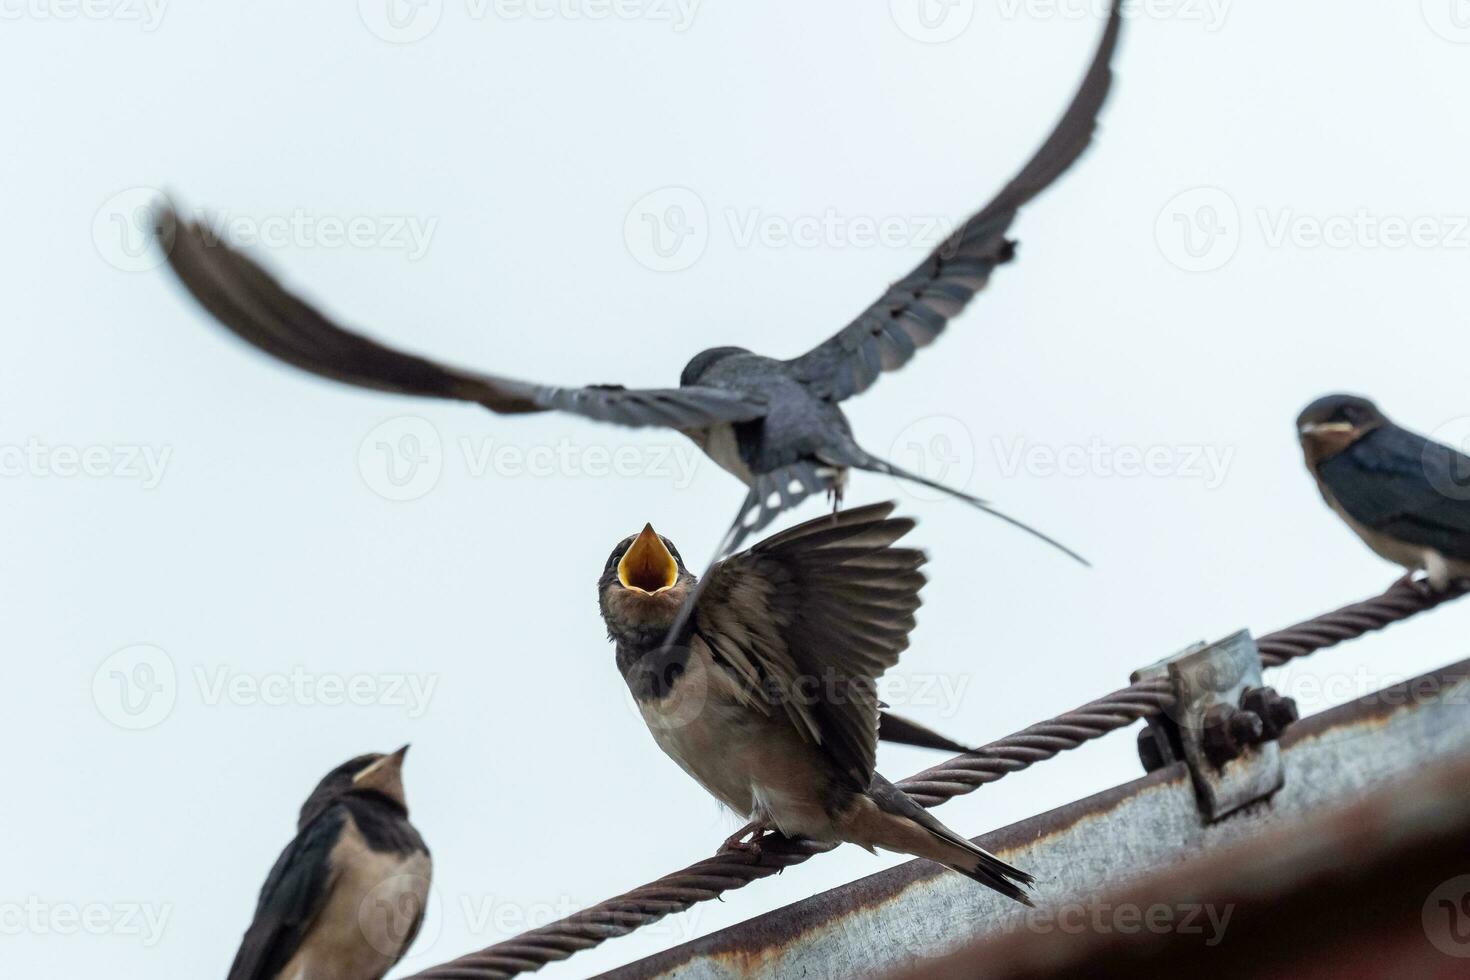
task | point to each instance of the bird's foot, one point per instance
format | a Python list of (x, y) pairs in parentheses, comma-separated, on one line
[(746, 840), (1424, 586), (834, 496)]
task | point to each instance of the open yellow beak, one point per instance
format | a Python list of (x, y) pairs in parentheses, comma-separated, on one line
[(647, 565)]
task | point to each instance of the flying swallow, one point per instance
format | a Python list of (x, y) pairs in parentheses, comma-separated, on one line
[(1407, 497), (346, 897), (768, 696), (775, 424)]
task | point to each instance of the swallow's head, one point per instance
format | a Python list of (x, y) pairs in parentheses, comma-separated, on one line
[(374, 775), (1331, 424), (643, 586), (703, 361)]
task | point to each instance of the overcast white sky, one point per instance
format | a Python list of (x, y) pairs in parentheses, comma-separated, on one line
[(1276, 209)]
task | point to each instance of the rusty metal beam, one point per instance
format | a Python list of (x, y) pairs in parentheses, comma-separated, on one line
[(1084, 850)]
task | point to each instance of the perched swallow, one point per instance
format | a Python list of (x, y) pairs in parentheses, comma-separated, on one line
[(1408, 498), (768, 695), (774, 424), (346, 897)]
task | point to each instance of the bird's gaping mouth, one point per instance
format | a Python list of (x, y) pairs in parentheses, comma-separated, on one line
[(647, 565)]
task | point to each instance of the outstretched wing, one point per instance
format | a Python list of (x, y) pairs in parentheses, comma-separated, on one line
[(917, 308), (292, 897), (808, 619), (256, 308), (1406, 486)]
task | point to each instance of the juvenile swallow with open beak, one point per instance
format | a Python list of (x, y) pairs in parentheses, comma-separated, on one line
[(1406, 496), (768, 697), (346, 898), (775, 424)]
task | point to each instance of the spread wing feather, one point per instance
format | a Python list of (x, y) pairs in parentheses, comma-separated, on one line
[(254, 306), (810, 618), (916, 309)]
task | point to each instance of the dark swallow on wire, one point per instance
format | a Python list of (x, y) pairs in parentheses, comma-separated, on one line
[(768, 696), (346, 897), (775, 424), (1406, 496)]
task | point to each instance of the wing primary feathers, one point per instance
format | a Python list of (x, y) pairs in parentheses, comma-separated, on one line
[(916, 309), (254, 306), (821, 611)]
